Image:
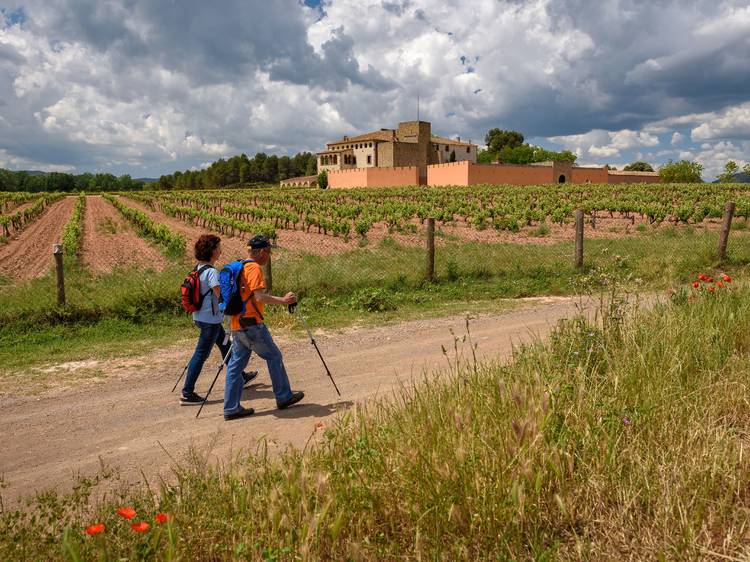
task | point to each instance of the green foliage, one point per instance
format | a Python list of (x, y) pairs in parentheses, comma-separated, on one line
[(72, 236), (528, 154), (56, 181), (239, 171), (173, 244), (373, 300), (730, 169), (509, 148), (498, 139), (639, 167), (19, 219), (613, 431), (323, 180), (683, 171)]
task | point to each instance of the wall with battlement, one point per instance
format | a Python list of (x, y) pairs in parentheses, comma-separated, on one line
[(373, 177), (468, 173)]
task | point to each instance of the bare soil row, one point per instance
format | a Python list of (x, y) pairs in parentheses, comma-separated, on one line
[(110, 242)]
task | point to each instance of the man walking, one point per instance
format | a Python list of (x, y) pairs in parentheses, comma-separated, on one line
[(251, 334)]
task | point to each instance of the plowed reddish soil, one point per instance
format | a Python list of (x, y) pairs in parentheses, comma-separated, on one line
[(109, 242), (29, 254), (321, 244), (232, 247)]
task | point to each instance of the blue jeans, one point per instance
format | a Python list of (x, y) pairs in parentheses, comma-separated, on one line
[(244, 342), (211, 334)]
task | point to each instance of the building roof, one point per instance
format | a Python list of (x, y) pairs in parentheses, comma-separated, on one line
[(446, 140), (300, 179), (387, 135)]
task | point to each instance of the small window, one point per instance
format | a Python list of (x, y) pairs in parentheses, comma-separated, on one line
[(446, 148), (468, 150), (354, 160), (369, 159), (335, 159)]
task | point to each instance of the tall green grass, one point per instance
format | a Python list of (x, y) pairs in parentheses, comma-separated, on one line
[(617, 439), (382, 281)]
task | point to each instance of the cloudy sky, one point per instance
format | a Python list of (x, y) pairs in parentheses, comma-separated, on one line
[(149, 87)]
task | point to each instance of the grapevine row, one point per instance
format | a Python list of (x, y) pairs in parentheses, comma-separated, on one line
[(173, 243), (501, 207), (72, 235), (16, 221)]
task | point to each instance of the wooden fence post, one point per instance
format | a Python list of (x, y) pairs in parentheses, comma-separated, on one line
[(726, 226), (268, 276), (579, 238), (430, 249), (57, 251)]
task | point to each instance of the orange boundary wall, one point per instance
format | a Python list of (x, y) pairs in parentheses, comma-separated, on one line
[(373, 177), (468, 173)]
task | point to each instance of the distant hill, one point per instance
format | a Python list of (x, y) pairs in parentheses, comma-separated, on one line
[(740, 177)]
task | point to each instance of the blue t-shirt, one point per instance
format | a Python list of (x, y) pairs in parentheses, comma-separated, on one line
[(209, 312)]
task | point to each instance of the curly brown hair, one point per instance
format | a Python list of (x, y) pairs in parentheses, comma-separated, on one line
[(205, 246)]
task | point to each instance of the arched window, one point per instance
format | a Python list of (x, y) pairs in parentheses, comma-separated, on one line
[(561, 179)]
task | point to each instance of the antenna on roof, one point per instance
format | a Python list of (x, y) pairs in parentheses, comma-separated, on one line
[(417, 105)]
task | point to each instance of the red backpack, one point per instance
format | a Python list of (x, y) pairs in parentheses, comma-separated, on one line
[(190, 290)]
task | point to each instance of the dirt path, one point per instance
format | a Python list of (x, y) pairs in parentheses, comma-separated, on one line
[(232, 247), (29, 254), (109, 242), (127, 418)]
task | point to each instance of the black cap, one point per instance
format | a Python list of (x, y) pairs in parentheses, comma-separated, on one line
[(258, 242)]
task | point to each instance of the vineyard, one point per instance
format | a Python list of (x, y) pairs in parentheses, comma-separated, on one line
[(510, 208), (154, 226)]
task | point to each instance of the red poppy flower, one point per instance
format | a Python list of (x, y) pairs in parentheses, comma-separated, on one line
[(719, 284), (696, 284), (702, 277), (95, 529), (727, 279), (710, 280), (711, 289), (126, 512), (140, 527), (162, 518)]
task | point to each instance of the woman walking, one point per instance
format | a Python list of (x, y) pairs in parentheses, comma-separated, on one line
[(208, 318)]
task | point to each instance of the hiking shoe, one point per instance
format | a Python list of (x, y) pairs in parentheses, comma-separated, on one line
[(293, 399), (248, 377), (191, 399), (241, 413)]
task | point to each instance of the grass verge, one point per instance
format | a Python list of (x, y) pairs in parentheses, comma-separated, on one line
[(372, 285), (625, 436)]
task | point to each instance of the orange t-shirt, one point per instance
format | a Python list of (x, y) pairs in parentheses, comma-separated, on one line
[(251, 279)]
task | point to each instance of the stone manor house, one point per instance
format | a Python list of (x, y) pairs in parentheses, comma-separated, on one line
[(412, 155)]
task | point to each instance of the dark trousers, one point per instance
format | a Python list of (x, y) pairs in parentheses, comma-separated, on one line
[(211, 334)]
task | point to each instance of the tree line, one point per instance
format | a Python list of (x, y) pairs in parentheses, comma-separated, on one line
[(58, 181), (508, 147), (241, 171)]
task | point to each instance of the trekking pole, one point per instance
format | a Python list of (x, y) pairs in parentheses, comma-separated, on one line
[(181, 375), (291, 308), (221, 367)]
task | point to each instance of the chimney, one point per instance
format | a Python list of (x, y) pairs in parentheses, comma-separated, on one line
[(458, 139)]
